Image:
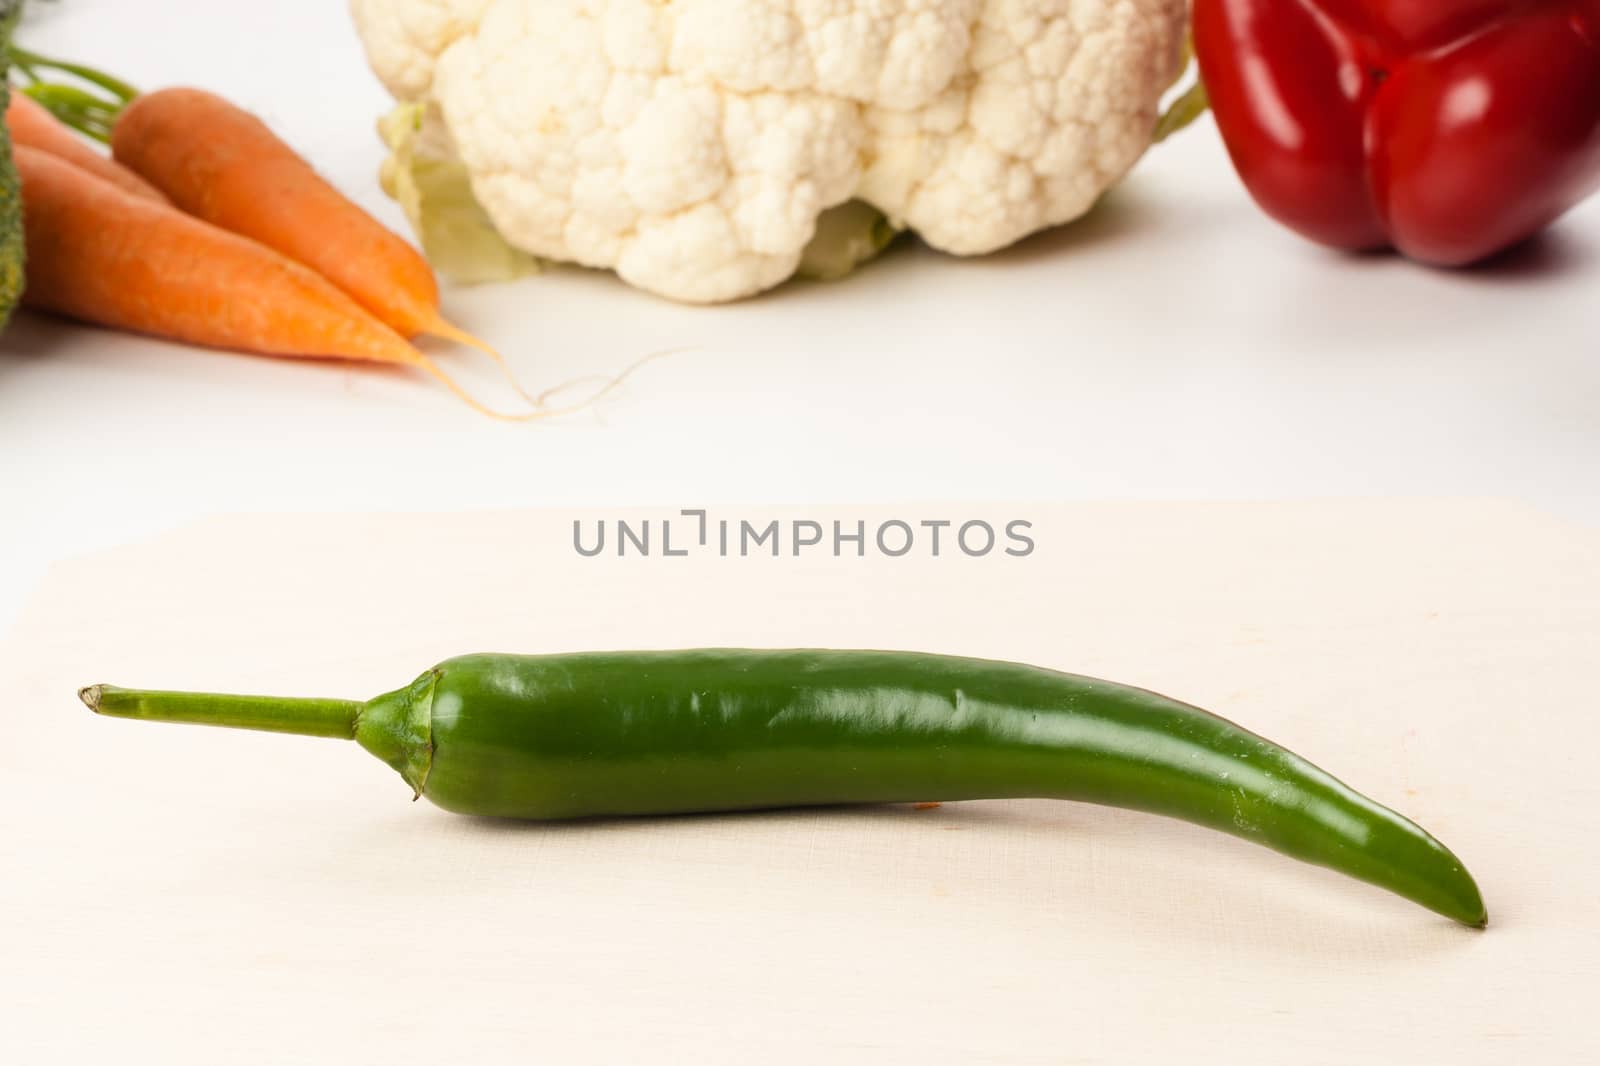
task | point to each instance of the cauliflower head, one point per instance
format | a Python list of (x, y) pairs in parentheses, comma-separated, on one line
[(691, 145)]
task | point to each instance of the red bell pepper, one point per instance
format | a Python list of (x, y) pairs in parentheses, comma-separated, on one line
[(1448, 129)]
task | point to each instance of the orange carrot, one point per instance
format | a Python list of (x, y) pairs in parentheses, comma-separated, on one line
[(102, 255), (221, 163), (32, 124)]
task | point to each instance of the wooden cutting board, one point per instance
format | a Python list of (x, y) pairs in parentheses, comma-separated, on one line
[(181, 895)]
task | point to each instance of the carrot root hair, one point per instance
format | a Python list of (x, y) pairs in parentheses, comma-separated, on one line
[(611, 382), (540, 403), (439, 326)]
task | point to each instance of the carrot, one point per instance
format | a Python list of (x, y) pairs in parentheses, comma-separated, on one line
[(32, 124), (103, 255), (221, 163)]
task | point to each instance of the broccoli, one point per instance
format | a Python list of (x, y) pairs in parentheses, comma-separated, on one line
[(11, 236)]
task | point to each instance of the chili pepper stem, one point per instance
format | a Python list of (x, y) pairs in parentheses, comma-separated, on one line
[(273, 714)]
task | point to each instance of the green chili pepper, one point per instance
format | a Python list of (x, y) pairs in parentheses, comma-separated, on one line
[(630, 733)]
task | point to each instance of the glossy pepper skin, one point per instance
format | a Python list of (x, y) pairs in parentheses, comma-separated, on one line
[(1447, 129), (630, 733)]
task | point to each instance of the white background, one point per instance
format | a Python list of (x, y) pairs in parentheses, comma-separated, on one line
[(1176, 345)]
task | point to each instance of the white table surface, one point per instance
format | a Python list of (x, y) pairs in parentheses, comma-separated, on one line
[(182, 896), (1175, 346)]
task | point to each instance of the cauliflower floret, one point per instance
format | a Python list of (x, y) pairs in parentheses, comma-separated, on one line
[(691, 145), (404, 39)]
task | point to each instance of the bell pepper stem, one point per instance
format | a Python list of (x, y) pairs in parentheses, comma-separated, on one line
[(1189, 106), (273, 714)]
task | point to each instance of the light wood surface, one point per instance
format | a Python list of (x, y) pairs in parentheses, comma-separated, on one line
[(181, 895)]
